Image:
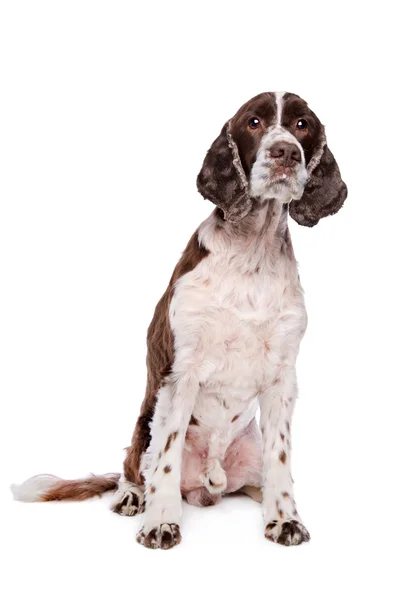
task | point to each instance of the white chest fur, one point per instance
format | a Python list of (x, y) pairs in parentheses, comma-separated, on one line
[(237, 318)]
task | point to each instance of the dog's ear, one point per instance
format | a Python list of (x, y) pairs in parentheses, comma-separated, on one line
[(222, 178), (325, 191)]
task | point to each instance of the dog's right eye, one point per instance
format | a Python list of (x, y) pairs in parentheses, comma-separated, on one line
[(254, 122)]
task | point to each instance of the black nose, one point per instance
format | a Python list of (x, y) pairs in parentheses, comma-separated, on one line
[(288, 154)]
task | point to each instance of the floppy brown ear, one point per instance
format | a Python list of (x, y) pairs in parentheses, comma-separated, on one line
[(222, 178), (325, 191)]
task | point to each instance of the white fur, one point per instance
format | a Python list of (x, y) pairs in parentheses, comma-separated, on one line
[(237, 319), (279, 106), (264, 184), (128, 499), (33, 489)]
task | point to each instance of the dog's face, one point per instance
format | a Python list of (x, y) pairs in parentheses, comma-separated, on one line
[(273, 148)]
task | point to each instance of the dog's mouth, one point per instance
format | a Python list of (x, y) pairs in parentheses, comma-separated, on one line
[(282, 182), (282, 172)]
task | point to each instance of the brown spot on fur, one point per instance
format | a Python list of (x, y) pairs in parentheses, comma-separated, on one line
[(152, 489), (171, 438), (288, 425), (282, 437), (280, 511), (194, 421), (285, 495), (235, 418), (282, 457), (160, 358), (167, 469)]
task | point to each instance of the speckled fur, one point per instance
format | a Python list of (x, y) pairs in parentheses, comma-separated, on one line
[(225, 336)]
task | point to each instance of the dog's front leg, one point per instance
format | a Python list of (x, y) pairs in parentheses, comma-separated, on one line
[(282, 521), (173, 409)]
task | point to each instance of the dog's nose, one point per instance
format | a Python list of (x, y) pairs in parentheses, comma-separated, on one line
[(287, 153)]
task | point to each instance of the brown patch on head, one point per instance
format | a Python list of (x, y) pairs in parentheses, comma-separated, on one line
[(235, 418), (167, 469), (295, 109), (282, 457), (247, 139), (325, 191), (224, 176)]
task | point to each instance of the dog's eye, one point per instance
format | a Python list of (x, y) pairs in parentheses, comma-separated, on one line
[(302, 124), (254, 123)]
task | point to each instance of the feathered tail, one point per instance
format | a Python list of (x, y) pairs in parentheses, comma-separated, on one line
[(44, 488)]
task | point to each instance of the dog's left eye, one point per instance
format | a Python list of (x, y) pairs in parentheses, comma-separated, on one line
[(301, 124), (254, 123)]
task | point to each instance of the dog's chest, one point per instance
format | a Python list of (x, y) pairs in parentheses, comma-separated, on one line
[(235, 326)]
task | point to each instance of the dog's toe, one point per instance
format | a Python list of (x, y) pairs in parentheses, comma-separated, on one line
[(287, 533), (128, 502), (164, 536)]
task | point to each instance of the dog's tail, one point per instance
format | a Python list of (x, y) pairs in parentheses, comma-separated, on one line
[(44, 488)]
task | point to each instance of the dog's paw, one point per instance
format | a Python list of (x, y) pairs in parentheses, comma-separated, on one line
[(128, 501), (287, 533), (164, 536)]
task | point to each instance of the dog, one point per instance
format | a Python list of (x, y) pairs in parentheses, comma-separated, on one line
[(225, 335)]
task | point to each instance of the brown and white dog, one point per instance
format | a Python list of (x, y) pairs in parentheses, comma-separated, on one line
[(225, 335)]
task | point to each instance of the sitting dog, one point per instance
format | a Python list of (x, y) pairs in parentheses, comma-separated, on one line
[(225, 335)]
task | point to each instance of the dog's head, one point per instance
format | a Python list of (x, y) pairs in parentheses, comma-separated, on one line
[(273, 148)]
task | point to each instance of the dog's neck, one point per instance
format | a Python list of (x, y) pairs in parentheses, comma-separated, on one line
[(259, 238), (266, 223)]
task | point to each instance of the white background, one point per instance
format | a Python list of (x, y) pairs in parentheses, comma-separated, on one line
[(107, 110)]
